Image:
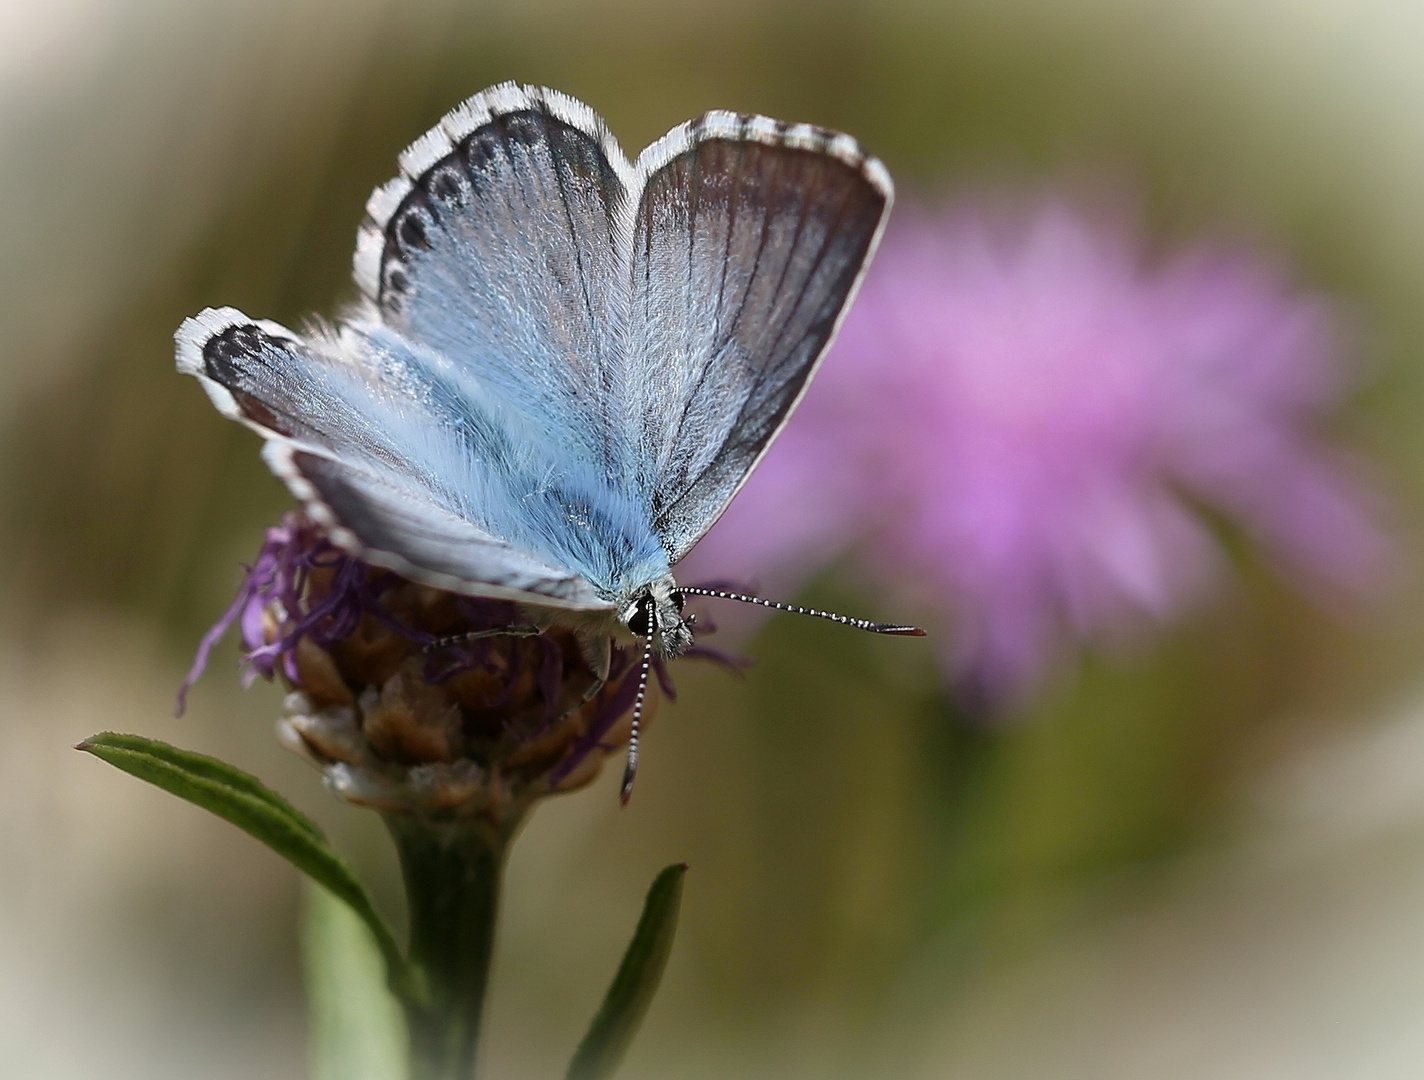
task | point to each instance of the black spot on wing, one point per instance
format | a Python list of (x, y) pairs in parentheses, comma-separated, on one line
[(413, 224), (453, 183), (244, 359)]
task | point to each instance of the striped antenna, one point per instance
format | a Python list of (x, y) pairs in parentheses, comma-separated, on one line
[(845, 620), (630, 770)]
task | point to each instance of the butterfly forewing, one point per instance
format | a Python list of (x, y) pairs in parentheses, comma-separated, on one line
[(749, 241), (506, 253)]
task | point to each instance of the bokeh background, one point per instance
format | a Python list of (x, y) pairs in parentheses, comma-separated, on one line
[(1202, 856)]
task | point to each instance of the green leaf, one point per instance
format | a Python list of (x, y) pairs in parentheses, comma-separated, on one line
[(245, 801), (355, 1029), (627, 1000)]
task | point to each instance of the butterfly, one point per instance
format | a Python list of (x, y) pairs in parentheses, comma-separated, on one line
[(563, 364)]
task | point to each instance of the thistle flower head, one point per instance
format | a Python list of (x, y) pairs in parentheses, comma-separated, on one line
[(399, 707)]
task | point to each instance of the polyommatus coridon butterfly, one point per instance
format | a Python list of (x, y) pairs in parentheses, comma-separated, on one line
[(563, 364)]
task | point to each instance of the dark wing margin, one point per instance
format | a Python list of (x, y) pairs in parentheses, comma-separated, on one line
[(503, 245), (307, 406), (749, 242)]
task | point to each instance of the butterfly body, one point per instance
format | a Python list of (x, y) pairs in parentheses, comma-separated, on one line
[(564, 364)]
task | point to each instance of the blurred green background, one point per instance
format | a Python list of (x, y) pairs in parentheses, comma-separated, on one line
[(1205, 859)]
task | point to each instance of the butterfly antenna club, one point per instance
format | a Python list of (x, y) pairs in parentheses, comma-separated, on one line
[(630, 770), (845, 620)]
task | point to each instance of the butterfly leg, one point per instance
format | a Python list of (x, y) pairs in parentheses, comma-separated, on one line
[(597, 652), (521, 630)]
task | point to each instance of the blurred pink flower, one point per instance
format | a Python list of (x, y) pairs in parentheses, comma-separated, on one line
[(1021, 420)]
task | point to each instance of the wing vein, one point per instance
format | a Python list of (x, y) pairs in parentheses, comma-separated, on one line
[(562, 184), (829, 234), (751, 278), (719, 339)]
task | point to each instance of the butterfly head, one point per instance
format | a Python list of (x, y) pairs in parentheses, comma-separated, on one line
[(657, 608)]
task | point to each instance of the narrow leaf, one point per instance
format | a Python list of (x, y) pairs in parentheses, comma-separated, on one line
[(355, 1030), (245, 801), (627, 1000)]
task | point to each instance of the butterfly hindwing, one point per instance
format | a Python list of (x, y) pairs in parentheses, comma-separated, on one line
[(367, 511), (750, 239)]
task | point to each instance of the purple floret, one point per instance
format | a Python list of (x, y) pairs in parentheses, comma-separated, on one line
[(277, 583)]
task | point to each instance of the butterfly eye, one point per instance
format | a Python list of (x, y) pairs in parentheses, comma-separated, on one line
[(677, 598), (640, 622)]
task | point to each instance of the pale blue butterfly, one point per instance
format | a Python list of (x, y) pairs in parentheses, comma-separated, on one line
[(563, 365)]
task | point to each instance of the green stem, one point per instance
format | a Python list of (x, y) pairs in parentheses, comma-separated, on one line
[(452, 878)]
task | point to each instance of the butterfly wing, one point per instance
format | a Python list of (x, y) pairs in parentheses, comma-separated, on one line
[(750, 239), (382, 452), (504, 244)]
